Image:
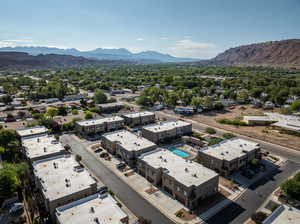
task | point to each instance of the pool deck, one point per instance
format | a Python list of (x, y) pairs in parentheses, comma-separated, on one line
[(185, 148)]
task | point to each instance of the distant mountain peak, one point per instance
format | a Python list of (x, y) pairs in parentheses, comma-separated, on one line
[(101, 54)]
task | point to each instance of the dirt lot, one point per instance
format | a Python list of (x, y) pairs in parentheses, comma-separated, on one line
[(260, 132)]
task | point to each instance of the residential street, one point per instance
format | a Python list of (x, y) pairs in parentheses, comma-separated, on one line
[(252, 199), (137, 204)]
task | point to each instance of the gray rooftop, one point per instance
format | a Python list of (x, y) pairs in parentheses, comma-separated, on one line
[(231, 149), (165, 126), (102, 207), (98, 121), (55, 172), (184, 171), (128, 140), (138, 114), (41, 145), (284, 215), (23, 132)]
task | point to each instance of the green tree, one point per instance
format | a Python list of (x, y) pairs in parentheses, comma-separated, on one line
[(295, 106), (9, 182), (75, 112), (210, 130), (171, 98), (196, 102), (88, 115), (63, 111), (52, 111), (100, 97)]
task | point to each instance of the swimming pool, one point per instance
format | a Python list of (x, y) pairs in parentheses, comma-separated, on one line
[(180, 153)]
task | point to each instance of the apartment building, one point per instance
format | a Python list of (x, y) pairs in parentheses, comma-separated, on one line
[(164, 131), (126, 145), (283, 214), (41, 147), (229, 155), (111, 107), (61, 180), (93, 209), (139, 118), (186, 181), (31, 131), (99, 125)]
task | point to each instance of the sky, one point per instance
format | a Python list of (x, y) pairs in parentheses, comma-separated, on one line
[(183, 28)]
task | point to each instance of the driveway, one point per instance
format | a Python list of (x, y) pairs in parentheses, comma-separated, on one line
[(137, 204)]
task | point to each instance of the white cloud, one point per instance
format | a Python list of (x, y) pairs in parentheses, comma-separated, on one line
[(18, 41), (189, 48), (139, 39)]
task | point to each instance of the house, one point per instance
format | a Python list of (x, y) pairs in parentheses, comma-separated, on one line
[(49, 100), (61, 180), (98, 126), (283, 214), (257, 120), (74, 97), (229, 155), (139, 118), (228, 102), (186, 181), (96, 208), (41, 147), (31, 131), (165, 131), (126, 145), (2, 89), (110, 107), (268, 105)]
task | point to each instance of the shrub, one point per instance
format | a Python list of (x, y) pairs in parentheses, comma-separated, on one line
[(210, 131), (232, 122), (197, 135), (214, 141), (259, 217), (228, 135), (78, 158), (75, 112)]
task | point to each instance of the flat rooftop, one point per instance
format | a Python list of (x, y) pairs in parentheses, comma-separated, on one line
[(128, 140), (23, 132), (55, 172), (184, 171), (110, 104), (230, 149), (258, 118), (138, 114), (284, 214), (41, 145), (98, 121), (103, 207), (165, 126)]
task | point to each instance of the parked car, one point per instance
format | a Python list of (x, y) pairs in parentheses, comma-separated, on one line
[(16, 207), (103, 190), (121, 166), (104, 155), (98, 150)]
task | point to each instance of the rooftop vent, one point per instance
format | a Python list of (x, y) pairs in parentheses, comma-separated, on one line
[(38, 140), (194, 175), (165, 160), (55, 165), (186, 169), (96, 220), (45, 149)]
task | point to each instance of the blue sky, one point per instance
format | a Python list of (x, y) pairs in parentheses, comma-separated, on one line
[(185, 28)]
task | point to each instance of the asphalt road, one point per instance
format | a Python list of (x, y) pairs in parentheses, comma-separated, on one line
[(281, 151), (239, 211), (136, 203)]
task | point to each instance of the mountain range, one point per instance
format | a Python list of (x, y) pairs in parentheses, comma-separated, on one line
[(102, 54), (24, 61), (283, 53)]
